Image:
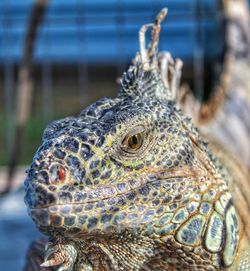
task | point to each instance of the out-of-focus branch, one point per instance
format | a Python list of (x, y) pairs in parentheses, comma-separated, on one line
[(25, 87)]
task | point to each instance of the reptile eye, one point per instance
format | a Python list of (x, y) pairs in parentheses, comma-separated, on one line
[(135, 141)]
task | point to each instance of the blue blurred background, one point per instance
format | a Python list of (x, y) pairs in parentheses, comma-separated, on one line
[(82, 47), (97, 33)]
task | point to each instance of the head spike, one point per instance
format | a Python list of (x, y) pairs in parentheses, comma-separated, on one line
[(143, 49), (149, 55), (148, 77), (52, 262), (155, 34), (171, 73)]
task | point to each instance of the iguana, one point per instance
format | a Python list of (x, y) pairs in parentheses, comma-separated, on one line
[(130, 184), (225, 117)]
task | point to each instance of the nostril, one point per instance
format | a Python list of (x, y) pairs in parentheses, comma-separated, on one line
[(61, 173), (57, 173)]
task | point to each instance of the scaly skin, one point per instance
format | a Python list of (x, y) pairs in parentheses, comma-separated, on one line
[(129, 184)]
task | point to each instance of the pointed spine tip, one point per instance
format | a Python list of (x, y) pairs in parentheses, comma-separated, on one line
[(52, 262), (161, 16), (45, 264)]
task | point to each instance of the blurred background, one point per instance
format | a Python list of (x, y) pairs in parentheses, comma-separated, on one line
[(58, 56)]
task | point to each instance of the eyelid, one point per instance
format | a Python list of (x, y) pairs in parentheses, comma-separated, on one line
[(137, 130)]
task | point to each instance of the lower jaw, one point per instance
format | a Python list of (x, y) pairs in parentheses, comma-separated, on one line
[(84, 224), (101, 223)]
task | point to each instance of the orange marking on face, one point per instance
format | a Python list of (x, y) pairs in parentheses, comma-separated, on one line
[(61, 173)]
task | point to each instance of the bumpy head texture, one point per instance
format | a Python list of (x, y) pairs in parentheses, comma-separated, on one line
[(133, 170)]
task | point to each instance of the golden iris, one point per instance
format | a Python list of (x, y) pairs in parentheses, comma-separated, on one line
[(135, 141)]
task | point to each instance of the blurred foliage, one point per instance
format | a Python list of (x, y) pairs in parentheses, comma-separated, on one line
[(33, 133)]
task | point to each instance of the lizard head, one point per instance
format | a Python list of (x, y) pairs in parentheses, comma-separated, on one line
[(129, 163), (108, 164)]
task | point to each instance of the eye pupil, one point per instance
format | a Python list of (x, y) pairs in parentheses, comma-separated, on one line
[(135, 141)]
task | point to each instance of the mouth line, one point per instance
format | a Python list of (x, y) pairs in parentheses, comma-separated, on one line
[(161, 175)]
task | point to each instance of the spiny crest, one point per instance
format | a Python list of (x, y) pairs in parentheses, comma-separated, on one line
[(143, 78), (152, 75), (139, 83)]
